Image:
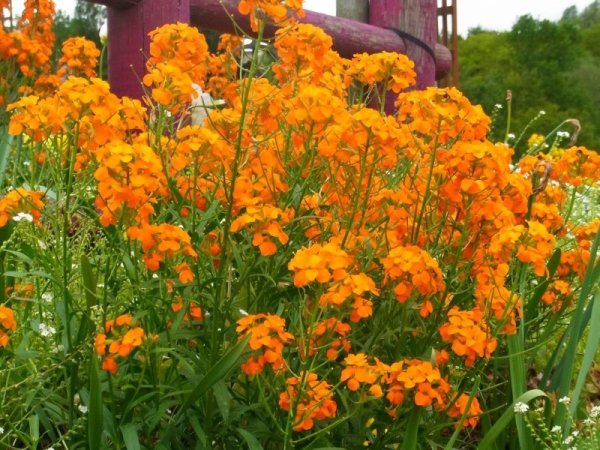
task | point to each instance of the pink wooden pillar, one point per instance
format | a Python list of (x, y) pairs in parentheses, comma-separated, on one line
[(129, 22), (417, 18)]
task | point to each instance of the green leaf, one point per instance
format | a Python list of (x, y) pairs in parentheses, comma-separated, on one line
[(252, 442), (217, 372), (89, 282), (412, 430), (95, 419), (224, 398), (130, 436), (576, 328), (589, 353), (5, 145), (506, 418)]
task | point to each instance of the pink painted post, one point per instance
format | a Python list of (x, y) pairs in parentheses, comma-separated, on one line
[(129, 22), (417, 18)]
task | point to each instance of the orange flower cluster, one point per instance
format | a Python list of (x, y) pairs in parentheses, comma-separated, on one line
[(79, 58), (577, 166), (392, 70), (311, 399), (412, 268), (7, 323), (359, 371), (20, 201), (320, 263), (130, 180), (120, 338), (31, 44), (469, 334), (178, 58), (267, 334), (163, 242), (557, 295), (266, 223), (277, 10)]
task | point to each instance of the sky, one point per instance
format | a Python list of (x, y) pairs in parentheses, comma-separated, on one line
[(488, 14)]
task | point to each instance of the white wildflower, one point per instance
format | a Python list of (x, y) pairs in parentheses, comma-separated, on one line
[(569, 440), (521, 408), (563, 134), (1, 430), (595, 412), (83, 409), (46, 330), (542, 113), (23, 216), (498, 106), (556, 429), (564, 400), (511, 136), (243, 312), (47, 297)]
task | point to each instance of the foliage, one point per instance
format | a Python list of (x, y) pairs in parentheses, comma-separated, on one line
[(283, 266), (549, 66)]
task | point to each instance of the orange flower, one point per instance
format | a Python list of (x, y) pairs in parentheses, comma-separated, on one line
[(79, 58), (7, 323), (120, 338), (458, 408)]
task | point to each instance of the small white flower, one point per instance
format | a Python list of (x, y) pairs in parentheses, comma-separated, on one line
[(569, 440), (521, 408), (575, 433), (1, 430), (23, 216), (563, 134), (47, 297), (46, 330), (498, 106), (83, 409), (243, 312), (556, 429), (564, 400), (511, 136), (588, 422), (595, 412), (542, 113)]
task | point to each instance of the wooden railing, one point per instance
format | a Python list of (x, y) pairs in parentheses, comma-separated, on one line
[(404, 26)]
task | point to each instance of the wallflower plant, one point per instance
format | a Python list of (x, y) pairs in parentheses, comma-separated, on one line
[(298, 270)]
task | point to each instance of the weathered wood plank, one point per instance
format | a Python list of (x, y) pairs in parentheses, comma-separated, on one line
[(128, 41), (353, 9)]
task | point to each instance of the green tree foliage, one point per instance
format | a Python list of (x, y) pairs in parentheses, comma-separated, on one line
[(86, 22), (548, 66)]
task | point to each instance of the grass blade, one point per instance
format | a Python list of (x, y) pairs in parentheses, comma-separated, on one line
[(504, 421), (95, 419)]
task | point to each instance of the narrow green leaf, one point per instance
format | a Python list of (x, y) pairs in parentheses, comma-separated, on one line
[(252, 442), (130, 436), (534, 301), (95, 419), (89, 282), (6, 141), (217, 372), (224, 398), (589, 353), (506, 418), (576, 327), (411, 435)]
